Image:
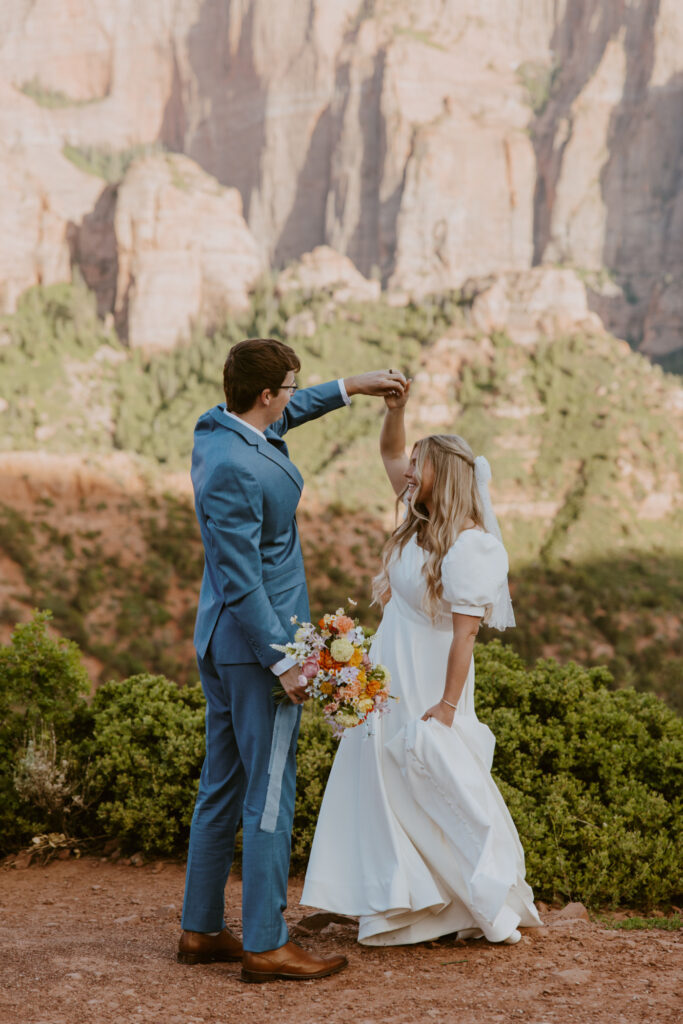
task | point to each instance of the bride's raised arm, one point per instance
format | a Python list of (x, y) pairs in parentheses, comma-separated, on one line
[(392, 439)]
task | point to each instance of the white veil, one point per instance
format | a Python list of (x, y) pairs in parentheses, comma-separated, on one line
[(502, 615)]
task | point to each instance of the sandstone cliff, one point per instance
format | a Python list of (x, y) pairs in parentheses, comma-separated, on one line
[(430, 140)]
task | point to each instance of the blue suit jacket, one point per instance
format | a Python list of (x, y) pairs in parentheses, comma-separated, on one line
[(246, 494)]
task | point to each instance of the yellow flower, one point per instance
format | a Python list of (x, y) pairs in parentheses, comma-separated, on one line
[(365, 704), (346, 719), (341, 650), (326, 687)]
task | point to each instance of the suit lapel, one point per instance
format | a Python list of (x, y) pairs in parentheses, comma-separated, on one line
[(280, 459), (262, 445)]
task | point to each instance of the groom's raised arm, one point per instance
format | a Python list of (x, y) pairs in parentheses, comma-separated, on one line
[(310, 403)]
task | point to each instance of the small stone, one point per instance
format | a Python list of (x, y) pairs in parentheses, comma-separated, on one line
[(333, 929), (110, 846), (63, 854), (158, 866), (75, 975), (126, 920), (573, 912), (137, 860), (316, 922), (95, 888), (542, 907)]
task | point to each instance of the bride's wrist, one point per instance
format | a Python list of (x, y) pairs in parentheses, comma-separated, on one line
[(444, 701)]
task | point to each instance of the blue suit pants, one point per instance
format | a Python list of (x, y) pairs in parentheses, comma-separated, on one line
[(236, 784)]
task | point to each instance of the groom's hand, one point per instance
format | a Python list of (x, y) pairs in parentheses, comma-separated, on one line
[(382, 383), (295, 690)]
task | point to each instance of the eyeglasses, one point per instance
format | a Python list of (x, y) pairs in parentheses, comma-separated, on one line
[(289, 387)]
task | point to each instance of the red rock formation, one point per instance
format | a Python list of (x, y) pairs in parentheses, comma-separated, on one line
[(432, 140)]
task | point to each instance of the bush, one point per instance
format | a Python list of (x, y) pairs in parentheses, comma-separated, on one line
[(592, 779), (42, 683), (146, 752)]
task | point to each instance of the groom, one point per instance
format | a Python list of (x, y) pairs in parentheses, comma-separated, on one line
[(246, 494)]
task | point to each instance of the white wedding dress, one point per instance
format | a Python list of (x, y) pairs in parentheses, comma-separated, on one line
[(413, 837)]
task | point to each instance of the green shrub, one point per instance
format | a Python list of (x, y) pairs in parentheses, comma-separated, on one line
[(104, 162), (592, 779), (42, 682), (53, 99), (146, 752), (538, 80)]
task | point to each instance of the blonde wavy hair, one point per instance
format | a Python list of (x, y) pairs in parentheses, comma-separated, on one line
[(455, 499)]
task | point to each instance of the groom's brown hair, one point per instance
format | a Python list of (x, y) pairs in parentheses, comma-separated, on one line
[(252, 366)]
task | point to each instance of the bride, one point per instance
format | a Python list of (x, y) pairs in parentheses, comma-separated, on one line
[(413, 836)]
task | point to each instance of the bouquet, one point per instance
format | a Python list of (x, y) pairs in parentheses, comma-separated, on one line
[(334, 661)]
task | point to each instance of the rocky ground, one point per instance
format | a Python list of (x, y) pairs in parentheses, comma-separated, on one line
[(92, 942)]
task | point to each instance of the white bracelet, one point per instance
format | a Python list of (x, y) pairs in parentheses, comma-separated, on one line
[(454, 706)]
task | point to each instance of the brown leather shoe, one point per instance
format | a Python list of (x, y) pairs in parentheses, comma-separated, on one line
[(289, 963), (200, 948)]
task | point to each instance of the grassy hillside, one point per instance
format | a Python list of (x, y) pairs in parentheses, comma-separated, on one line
[(583, 437)]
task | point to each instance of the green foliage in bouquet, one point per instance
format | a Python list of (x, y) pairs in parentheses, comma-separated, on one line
[(42, 683), (146, 752), (592, 779)]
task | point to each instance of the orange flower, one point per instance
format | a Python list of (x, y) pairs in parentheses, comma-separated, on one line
[(356, 658), (326, 660)]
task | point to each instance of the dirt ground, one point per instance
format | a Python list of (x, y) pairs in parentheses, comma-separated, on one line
[(92, 942)]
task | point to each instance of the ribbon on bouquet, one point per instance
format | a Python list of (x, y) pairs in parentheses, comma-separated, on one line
[(286, 717)]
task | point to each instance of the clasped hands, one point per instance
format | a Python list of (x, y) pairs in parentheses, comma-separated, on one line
[(389, 383)]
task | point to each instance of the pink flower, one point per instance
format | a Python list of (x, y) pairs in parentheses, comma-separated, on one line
[(309, 668), (366, 663), (302, 680)]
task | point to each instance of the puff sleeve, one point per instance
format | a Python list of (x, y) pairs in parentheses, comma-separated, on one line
[(473, 573)]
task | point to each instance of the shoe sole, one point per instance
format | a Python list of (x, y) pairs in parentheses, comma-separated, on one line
[(258, 977), (207, 958)]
